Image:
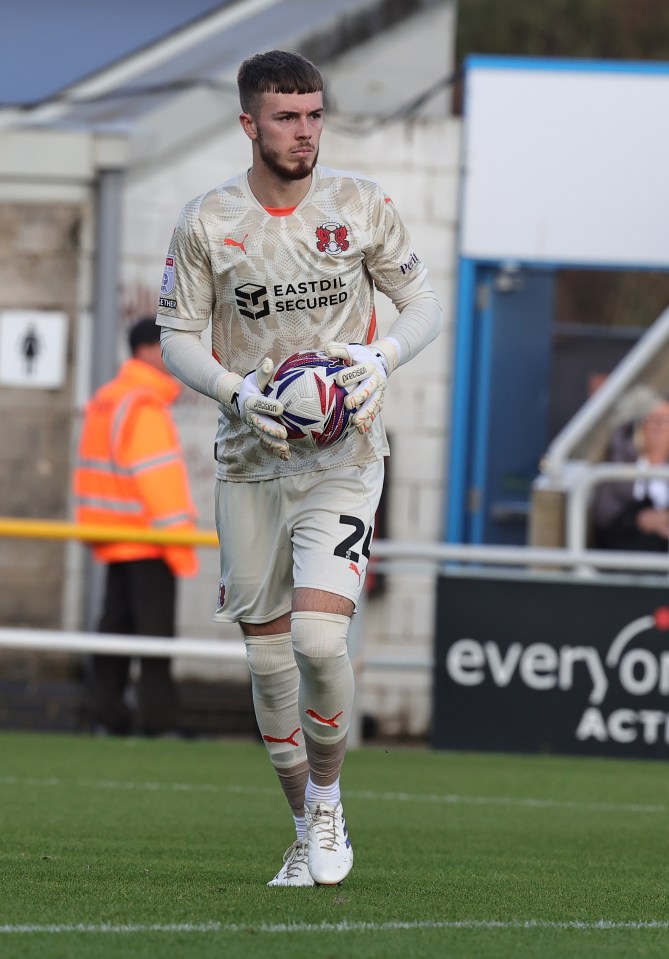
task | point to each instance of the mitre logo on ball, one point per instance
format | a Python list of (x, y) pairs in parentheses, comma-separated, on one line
[(314, 413)]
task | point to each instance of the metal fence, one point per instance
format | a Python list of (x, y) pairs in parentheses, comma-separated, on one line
[(429, 559)]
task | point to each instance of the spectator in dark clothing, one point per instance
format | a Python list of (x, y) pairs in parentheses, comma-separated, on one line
[(635, 515)]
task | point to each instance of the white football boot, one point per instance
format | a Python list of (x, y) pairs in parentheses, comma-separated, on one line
[(330, 850), (295, 869)]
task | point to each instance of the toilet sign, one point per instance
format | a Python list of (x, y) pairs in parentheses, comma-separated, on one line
[(33, 346)]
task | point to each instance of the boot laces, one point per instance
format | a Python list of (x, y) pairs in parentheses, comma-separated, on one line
[(325, 825), (292, 857)]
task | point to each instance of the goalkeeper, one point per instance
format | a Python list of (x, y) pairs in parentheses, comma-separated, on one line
[(281, 258)]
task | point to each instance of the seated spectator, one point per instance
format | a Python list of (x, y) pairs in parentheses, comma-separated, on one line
[(635, 515)]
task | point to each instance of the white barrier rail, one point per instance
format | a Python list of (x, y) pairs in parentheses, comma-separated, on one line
[(569, 558), (51, 640), (583, 484), (629, 371), (388, 554), (111, 644)]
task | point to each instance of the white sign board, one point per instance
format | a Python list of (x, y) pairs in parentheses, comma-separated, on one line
[(566, 161), (33, 348)]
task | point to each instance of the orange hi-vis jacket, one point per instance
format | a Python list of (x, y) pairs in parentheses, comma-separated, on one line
[(130, 469)]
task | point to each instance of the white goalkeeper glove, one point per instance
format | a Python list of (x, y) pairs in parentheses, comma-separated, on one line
[(373, 365), (244, 396)]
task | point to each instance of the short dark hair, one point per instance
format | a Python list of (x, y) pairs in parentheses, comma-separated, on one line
[(145, 332), (276, 71)]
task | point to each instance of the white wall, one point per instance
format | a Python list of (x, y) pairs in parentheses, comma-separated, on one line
[(417, 163)]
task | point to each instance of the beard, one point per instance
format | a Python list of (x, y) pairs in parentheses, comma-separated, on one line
[(270, 157)]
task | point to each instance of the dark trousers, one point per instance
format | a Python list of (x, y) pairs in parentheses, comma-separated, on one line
[(140, 599)]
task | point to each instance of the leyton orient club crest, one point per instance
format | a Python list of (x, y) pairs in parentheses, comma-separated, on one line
[(332, 238)]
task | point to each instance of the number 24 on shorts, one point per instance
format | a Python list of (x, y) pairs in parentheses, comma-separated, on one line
[(361, 533)]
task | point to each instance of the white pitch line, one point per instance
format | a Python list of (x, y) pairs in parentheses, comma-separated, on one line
[(510, 801), (446, 799), (219, 927)]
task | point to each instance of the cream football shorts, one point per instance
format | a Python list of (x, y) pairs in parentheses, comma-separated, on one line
[(307, 530)]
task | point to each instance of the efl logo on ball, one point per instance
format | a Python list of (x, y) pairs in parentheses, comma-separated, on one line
[(314, 413)]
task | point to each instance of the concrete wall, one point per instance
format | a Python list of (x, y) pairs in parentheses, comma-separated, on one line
[(418, 165), (417, 162), (39, 269)]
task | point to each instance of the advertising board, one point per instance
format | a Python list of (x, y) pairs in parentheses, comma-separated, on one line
[(533, 663)]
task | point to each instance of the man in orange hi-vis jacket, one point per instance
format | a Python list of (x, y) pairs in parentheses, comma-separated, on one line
[(131, 472)]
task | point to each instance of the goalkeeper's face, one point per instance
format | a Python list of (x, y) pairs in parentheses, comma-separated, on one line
[(287, 132)]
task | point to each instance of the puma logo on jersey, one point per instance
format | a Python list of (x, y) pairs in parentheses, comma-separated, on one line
[(288, 739), (355, 570), (323, 719), (228, 241)]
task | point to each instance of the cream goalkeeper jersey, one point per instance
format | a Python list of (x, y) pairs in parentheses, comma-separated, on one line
[(272, 285)]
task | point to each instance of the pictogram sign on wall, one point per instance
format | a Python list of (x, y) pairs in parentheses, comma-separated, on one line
[(33, 346)]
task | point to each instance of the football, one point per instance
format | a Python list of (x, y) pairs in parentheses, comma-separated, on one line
[(313, 403)]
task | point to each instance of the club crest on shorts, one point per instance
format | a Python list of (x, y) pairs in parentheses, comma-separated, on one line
[(169, 279), (332, 238)]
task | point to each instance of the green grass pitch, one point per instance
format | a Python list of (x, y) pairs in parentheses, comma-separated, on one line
[(149, 848)]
